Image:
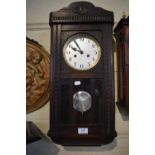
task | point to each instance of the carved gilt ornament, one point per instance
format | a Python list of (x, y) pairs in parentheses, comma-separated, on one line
[(37, 76)]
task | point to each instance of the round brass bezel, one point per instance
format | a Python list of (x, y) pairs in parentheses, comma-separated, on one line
[(82, 35)]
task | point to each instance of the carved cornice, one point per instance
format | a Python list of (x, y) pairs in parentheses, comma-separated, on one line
[(81, 12)]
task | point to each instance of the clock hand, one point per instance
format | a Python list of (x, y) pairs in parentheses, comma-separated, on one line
[(78, 46), (75, 49)]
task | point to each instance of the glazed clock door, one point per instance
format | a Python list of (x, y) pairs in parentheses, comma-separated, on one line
[(82, 109)]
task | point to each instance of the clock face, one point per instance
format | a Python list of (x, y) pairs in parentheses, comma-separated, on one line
[(81, 52)]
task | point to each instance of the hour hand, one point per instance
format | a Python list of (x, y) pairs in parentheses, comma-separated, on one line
[(75, 49)]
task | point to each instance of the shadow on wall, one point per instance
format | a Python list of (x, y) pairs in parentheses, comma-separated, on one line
[(124, 113), (107, 147)]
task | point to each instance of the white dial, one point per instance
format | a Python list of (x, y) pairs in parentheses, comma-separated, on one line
[(81, 52)]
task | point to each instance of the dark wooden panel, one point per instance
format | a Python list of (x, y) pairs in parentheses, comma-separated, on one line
[(122, 40)]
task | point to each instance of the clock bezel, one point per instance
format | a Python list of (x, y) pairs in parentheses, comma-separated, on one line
[(79, 35)]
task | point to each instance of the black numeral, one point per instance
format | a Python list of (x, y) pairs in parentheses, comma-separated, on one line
[(81, 66), (81, 39), (67, 52), (93, 45)]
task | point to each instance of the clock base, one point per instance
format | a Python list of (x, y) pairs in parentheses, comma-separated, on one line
[(91, 140)]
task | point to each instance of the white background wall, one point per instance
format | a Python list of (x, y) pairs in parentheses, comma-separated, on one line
[(37, 18)]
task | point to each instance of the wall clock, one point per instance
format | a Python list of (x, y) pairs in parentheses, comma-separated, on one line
[(82, 109)]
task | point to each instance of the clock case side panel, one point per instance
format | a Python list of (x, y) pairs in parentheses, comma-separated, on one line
[(109, 78), (55, 79)]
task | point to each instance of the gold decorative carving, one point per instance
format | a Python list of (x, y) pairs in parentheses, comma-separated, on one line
[(37, 76)]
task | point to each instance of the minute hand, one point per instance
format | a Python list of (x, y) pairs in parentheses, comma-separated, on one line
[(77, 45)]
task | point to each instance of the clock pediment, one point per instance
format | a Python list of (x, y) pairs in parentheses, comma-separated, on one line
[(84, 12)]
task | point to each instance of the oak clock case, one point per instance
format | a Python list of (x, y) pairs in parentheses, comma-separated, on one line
[(82, 109)]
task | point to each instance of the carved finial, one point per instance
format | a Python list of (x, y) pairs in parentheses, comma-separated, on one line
[(81, 8)]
